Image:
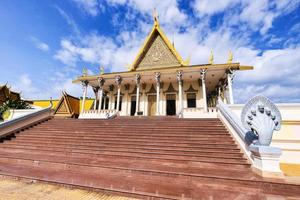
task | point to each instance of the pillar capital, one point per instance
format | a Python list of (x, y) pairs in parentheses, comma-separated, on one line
[(101, 82), (138, 79), (157, 77), (118, 80), (231, 74), (179, 76), (85, 83), (203, 73)]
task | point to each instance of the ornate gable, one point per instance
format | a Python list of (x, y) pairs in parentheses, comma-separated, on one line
[(158, 55), (157, 52), (68, 106)]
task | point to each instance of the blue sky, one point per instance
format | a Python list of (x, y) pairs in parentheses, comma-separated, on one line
[(44, 45)]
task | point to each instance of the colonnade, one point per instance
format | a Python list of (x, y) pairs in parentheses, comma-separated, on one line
[(98, 90)]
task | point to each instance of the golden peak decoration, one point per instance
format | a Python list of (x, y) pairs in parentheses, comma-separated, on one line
[(230, 57), (211, 57), (101, 70), (155, 16), (84, 72)]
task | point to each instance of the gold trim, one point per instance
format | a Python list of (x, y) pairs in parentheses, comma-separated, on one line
[(234, 66), (290, 122)]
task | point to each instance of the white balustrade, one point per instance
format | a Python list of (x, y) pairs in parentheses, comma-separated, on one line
[(97, 114)]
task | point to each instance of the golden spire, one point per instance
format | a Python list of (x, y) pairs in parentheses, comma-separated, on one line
[(155, 16), (230, 57), (101, 70), (211, 58), (84, 72)]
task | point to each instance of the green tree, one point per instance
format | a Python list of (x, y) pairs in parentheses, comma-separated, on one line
[(13, 104)]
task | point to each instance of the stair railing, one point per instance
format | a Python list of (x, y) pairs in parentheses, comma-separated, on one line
[(19, 123), (238, 130)]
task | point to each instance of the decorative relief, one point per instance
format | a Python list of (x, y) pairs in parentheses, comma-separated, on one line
[(101, 81), (118, 80), (262, 117), (158, 55), (179, 76), (157, 77)]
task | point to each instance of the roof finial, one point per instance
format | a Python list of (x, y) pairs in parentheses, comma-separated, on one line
[(84, 72), (211, 57), (230, 57), (155, 16), (173, 40), (101, 70)]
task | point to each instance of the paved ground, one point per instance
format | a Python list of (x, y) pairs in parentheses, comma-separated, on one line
[(11, 189)]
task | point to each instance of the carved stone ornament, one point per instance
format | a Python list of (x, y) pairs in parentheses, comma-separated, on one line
[(84, 83), (203, 73), (137, 79), (101, 81), (118, 80), (262, 117), (179, 76), (157, 77), (231, 74)]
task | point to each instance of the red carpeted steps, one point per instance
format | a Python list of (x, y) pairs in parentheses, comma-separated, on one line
[(157, 157)]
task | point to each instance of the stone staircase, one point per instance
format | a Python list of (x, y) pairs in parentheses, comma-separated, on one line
[(142, 157)]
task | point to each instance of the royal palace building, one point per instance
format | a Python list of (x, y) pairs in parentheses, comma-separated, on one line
[(160, 83)]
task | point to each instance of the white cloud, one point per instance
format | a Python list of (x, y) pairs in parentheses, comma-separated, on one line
[(257, 14), (91, 7), (24, 85), (208, 7), (39, 44)]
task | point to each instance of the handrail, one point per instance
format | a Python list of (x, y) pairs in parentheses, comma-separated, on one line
[(18, 123), (232, 119), (239, 132)]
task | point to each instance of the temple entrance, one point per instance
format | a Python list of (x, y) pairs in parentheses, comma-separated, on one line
[(133, 105), (151, 105), (171, 104)]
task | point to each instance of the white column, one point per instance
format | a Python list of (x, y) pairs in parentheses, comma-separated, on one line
[(230, 75), (104, 102), (101, 83), (138, 81), (180, 82), (111, 91), (96, 89), (118, 82), (157, 79), (85, 85), (144, 98), (202, 74)]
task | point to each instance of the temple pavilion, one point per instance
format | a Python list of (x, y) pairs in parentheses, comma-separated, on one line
[(160, 83)]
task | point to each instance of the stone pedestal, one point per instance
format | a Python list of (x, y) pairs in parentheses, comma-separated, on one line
[(266, 160)]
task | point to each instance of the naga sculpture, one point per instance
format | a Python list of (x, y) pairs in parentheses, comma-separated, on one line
[(262, 117)]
